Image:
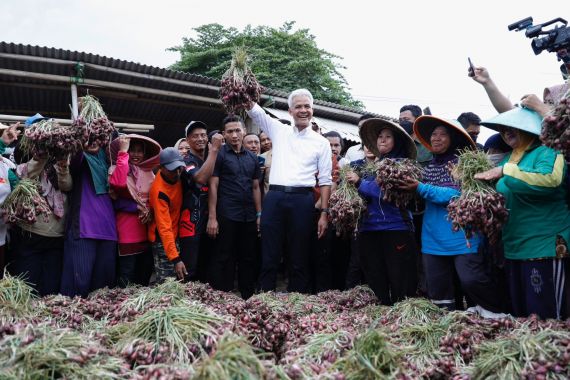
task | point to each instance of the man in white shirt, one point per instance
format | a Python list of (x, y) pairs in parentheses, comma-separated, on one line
[(301, 159), (355, 152)]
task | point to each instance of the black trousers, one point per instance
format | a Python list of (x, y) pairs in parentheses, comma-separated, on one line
[(388, 260), (291, 215), (190, 252), (473, 276), (135, 269), (235, 244), (38, 258), (354, 274)]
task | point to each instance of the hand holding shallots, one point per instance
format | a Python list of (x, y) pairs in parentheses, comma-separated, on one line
[(479, 208), (345, 204), (395, 175)]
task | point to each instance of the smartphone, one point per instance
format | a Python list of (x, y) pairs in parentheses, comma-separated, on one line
[(471, 67)]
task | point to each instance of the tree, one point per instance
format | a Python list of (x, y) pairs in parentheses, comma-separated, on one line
[(281, 59)]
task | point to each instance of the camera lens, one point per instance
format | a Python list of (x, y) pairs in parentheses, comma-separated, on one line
[(539, 44)]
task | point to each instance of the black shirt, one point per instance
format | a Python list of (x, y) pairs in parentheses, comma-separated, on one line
[(236, 172), (195, 200)]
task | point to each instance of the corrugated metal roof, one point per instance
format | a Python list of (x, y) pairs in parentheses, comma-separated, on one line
[(25, 96)]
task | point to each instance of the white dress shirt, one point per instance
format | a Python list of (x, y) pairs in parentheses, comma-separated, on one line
[(297, 156)]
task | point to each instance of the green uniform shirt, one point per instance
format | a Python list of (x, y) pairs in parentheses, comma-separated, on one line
[(536, 198)]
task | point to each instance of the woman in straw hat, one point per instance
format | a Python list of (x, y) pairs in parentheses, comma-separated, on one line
[(134, 157), (444, 251), (536, 236), (386, 241)]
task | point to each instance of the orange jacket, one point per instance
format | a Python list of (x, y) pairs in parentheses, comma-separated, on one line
[(165, 201)]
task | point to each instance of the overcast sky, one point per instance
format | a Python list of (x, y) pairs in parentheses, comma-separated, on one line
[(396, 52)]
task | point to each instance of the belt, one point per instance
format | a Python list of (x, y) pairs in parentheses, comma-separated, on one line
[(291, 189)]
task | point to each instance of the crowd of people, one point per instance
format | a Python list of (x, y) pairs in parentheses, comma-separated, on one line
[(230, 207)]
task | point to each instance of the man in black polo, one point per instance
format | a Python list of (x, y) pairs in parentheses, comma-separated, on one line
[(199, 167), (234, 204)]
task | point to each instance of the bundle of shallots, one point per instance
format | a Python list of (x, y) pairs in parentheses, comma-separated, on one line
[(556, 127), (99, 127), (390, 173), (479, 208), (239, 85), (51, 138), (25, 203), (345, 205)]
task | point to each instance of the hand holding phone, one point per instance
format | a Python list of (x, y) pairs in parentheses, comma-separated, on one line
[(471, 67)]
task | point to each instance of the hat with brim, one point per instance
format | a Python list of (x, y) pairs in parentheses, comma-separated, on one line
[(371, 128), (425, 125), (193, 125), (152, 149), (518, 118), (171, 159)]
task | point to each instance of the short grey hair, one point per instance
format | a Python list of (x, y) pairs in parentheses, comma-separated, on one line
[(299, 92)]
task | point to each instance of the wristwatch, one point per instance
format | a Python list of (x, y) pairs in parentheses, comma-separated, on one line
[(325, 210)]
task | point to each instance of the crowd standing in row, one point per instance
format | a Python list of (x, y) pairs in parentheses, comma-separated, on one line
[(208, 210)]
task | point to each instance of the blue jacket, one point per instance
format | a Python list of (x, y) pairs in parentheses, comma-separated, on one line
[(437, 236), (381, 215)]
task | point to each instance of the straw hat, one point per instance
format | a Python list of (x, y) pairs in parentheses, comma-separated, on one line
[(424, 126), (370, 129), (152, 150), (519, 118)]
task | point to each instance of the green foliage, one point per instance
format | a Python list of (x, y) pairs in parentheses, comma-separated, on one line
[(281, 59)]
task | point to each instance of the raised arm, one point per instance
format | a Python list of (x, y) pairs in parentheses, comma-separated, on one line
[(265, 122), (498, 99)]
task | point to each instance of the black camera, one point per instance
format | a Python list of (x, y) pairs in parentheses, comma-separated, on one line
[(553, 40)]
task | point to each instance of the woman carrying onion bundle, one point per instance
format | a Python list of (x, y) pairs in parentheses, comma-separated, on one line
[(536, 236), (90, 246), (130, 178), (445, 251), (386, 241), (37, 247)]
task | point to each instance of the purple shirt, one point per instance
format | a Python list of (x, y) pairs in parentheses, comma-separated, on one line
[(92, 216), (96, 214)]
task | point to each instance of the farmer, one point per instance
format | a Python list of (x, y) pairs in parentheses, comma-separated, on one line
[(37, 249), (8, 181), (89, 253), (234, 203), (386, 232), (165, 199), (130, 178), (445, 251), (288, 209), (199, 167), (537, 232)]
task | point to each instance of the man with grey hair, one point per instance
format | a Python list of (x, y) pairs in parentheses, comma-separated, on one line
[(301, 159)]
